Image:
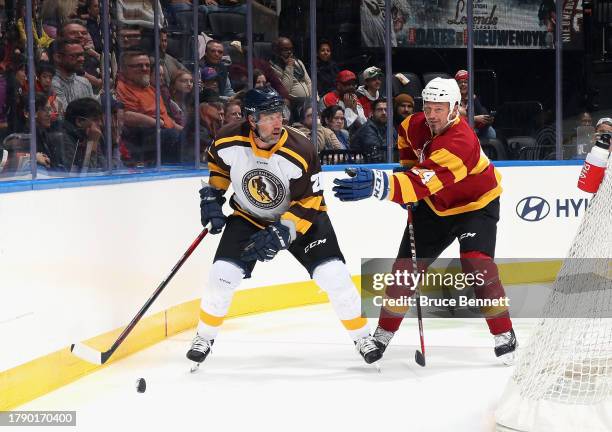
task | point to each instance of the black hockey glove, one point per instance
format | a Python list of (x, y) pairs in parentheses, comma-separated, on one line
[(265, 244), (211, 202)]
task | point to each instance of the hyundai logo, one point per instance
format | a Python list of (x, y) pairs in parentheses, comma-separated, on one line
[(532, 209)]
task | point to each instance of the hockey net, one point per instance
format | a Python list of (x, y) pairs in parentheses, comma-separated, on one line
[(563, 379)]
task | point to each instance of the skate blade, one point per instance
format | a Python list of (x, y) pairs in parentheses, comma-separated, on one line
[(194, 367), (377, 367), (508, 359)]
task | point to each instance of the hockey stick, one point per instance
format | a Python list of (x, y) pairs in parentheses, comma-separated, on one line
[(419, 356), (96, 357)]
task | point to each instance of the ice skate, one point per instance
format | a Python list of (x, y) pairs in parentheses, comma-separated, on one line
[(382, 338), (200, 348), (505, 347), (366, 346)]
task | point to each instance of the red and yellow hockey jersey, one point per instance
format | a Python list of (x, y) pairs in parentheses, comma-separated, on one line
[(448, 171)]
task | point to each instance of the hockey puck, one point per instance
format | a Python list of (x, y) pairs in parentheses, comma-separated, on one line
[(141, 385)]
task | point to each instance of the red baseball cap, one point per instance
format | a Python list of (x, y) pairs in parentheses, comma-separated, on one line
[(461, 75), (345, 76)]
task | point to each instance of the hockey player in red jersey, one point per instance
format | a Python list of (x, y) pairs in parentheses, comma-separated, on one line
[(457, 190), (278, 204)]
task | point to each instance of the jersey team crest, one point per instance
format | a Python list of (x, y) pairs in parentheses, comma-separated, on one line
[(263, 189)]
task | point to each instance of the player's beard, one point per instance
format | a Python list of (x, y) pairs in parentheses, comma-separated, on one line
[(270, 139)]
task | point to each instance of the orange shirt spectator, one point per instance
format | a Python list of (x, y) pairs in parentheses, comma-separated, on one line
[(142, 100)]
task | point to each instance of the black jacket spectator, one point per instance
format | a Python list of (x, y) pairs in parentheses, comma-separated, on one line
[(78, 139), (327, 69), (371, 138)]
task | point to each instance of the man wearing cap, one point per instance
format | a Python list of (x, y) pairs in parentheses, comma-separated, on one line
[(209, 79), (403, 106), (345, 97), (482, 119), (211, 120), (213, 58), (369, 91)]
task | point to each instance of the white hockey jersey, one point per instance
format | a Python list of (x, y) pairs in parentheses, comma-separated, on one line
[(281, 183)]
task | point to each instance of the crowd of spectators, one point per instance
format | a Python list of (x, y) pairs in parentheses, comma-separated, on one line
[(69, 90)]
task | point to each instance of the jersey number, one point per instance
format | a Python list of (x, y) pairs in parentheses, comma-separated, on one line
[(424, 175), (317, 182)]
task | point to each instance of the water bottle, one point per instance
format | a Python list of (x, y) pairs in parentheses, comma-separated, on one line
[(595, 164)]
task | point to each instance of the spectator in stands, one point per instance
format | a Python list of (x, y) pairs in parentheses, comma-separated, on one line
[(482, 119), (45, 153), (291, 71), (134, 90), (213, 58), (76, 30), (604, 125), (16, 94), (78, 140), (326, 138), (346, 98), (69, 58), (93, 25), (210, 118), (327, 69), (259, 79), (370, 139), (181, 93), (171, 65), (54, 13), (585, 119), (174, 111), (332, 117), (239, 73), (233, 112), (44, 77), (403, 106), (42, 40), (210, 79), (369, 91)]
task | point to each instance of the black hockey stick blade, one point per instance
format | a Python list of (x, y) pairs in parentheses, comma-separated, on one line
[(419, 358)]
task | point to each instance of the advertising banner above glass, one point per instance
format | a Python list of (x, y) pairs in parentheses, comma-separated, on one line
[(506, 24)]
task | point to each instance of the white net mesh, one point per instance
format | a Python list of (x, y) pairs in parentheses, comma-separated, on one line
[(569, 359)]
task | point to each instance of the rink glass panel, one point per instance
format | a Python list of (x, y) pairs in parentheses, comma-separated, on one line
[(518, 83)]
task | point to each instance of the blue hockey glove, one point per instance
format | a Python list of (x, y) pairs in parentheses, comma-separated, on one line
[(265, 244), (211, 202), (363, 183), (401, 169)]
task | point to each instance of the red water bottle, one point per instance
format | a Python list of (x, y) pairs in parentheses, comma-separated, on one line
[(595, 164)]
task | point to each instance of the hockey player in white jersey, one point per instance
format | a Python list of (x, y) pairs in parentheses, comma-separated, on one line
[(278, 204)]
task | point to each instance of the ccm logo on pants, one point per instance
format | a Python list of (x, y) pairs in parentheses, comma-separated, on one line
[(314, 244)]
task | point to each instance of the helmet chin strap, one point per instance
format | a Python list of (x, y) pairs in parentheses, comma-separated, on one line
[(449, 120)]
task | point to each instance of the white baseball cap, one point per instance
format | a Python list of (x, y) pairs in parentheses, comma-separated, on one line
[(604, 120)]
